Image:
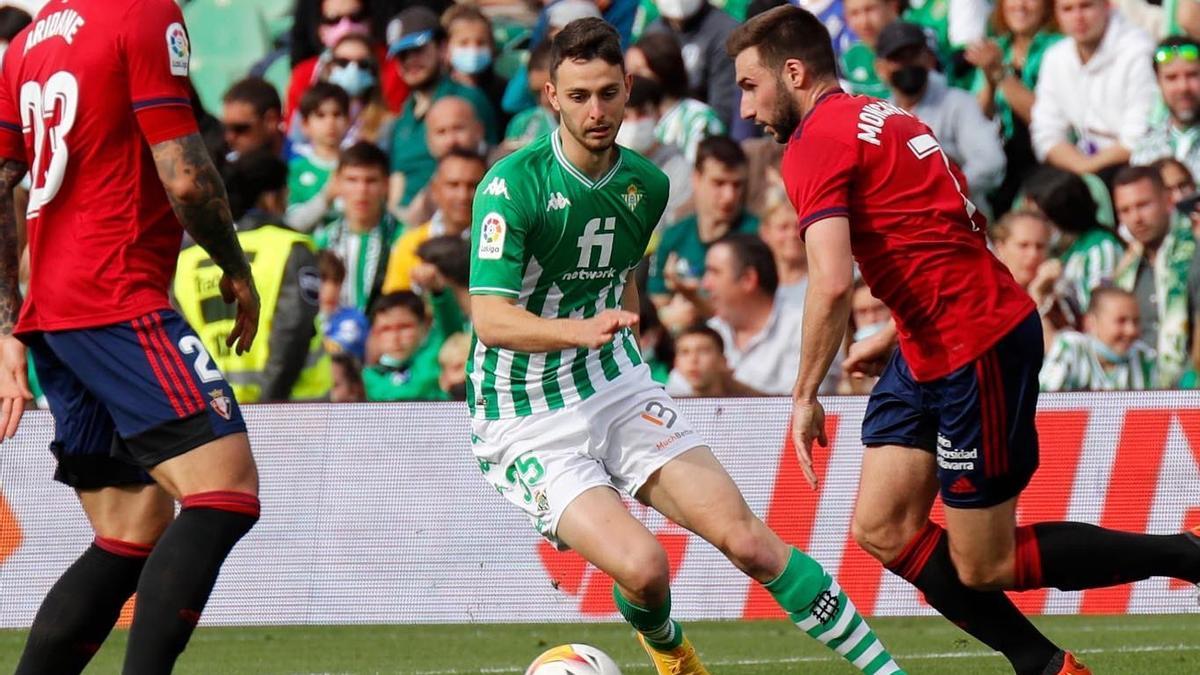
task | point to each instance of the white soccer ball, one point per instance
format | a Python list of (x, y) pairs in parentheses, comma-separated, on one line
[(573, 660)]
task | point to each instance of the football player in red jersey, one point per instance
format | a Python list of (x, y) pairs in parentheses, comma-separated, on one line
[(953, 411), (94, 105)]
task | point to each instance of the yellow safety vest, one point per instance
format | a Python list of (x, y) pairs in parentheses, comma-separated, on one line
[(198, 293)]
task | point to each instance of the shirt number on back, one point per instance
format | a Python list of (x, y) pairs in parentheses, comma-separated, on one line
[(925, 145), (49, 111)]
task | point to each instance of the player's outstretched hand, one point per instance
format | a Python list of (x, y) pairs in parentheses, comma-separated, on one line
[(600, 330), (14, 384), (808, 425), (242, 291)]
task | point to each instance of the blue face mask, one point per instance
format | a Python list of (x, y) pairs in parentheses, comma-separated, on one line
[(353, 79), (470, 60), (869, 330), (1105, 352)]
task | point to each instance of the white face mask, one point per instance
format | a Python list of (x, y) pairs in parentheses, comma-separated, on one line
[(637, 135), (678, 9)]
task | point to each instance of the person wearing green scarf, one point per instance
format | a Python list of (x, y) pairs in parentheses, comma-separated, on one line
[(1155, 269)]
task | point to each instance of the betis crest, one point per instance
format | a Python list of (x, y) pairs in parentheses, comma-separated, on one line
[(633, 196)]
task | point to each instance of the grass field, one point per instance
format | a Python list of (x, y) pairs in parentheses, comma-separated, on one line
[(1142, 645)]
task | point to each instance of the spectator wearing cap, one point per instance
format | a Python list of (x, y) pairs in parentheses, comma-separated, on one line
[(866, 18), (638, 134), (346, 333), (252, 115), (1177, 69), (418, 42), (970, 140), (701, 30), (682, 121), (471, 51), (1095, 90)]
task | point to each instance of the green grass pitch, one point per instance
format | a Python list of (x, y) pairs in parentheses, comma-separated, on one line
[(1141, 645)]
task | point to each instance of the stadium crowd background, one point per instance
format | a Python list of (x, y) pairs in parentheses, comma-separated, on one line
[(353, 135)]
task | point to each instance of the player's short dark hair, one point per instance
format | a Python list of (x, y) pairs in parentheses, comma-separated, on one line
[(721, 149), (1168, 43), (664, 56), (784, 33), (1064, 198), (586, 39), (330, 266), (13, 20), (752, 253), (319, 93), (364, 154), (256, 92), (539, 56), (402, 299), (450, 254), (1136, 174), (704, 330), (251, 176), (643, 92), (1105, 292)]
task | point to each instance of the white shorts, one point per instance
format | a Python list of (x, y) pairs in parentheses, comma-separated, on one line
[(616, 438)]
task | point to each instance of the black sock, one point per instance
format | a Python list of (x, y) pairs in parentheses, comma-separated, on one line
[(989, 616), (180, 575), (81, 608), (1076, 556)]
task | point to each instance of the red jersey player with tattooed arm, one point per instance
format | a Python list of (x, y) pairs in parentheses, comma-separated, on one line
[(94, 105), (953, 411)]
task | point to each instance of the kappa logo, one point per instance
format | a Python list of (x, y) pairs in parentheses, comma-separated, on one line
[(497, 188), (557, 202)]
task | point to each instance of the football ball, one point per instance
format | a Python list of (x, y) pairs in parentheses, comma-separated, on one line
[(573, 660)]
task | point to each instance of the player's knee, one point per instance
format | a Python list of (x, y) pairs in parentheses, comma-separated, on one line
[(750, 549), (982, 575), (646, 575), (882, 539)]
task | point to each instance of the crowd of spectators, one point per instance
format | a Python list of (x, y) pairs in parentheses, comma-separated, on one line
[(1075, 122)]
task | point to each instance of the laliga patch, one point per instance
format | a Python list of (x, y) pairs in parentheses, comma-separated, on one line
[(178, 50), (491, 239)]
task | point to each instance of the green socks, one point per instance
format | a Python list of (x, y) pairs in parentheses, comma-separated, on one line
[(656, 625), (818, 606)]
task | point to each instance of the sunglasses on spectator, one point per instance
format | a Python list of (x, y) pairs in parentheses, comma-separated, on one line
[(1168, 54), (365, 64), (357, 17), (238, 128)]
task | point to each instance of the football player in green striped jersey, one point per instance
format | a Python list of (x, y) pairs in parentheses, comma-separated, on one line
[(565, 415)]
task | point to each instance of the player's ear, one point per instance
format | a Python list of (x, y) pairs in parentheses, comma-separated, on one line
[(552, 95), (794, 73), (628, 85)]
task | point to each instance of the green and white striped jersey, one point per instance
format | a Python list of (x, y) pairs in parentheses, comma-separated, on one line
[(1090, 261), (686, 124), (562, 245), (1073, 365)]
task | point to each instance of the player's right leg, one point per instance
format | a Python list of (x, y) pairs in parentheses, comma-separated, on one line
[(176, 417)]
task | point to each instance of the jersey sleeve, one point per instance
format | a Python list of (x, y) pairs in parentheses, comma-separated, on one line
[(499, 225), (817, 175), (154, 45), (12, 142)]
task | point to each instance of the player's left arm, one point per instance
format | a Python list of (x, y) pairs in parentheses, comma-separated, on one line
[(14, 383)]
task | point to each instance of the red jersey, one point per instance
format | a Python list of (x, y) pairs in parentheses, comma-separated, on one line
[(84, 91), (919, 242)]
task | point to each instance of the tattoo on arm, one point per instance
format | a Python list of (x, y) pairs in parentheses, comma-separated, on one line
[(11, 172), (197, 194)]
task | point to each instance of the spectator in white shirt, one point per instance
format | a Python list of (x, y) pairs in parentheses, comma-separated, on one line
[(780, 229), (762, 336), (1095, 90)]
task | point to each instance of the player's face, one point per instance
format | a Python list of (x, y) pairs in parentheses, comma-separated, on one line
[(699, 361), (327, 125), (590, 97), (867, 17), (765, 99), (1144, 209), (719, 191), (453, 188), (1180, 83), (363, 190), (397, 333), (1025, 248), (1083, 20), (1024, 17), (1116, 322), (781, 230), (420, 67)]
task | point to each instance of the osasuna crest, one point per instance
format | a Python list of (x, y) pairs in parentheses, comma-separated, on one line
[(633, 196), (220, 403)]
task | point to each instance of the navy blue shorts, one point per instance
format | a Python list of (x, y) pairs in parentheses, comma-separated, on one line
[(128, 396), (978, 420)]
